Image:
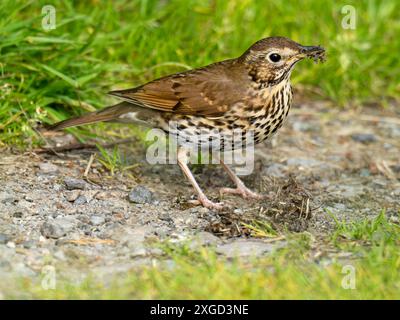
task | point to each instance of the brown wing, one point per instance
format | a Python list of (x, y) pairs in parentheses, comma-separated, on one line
[(208, 91)]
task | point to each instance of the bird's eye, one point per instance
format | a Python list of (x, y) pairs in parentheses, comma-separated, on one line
[(274, 57)]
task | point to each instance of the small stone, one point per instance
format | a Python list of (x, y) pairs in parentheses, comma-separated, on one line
[(138, 252), (203, 210), (394, 219), (57, 228), (365, 172), (393, 130), (48, 168), (72, 183), (166, 217), (18, 214), (103, 195), (80, 200), (28, 244), (141, 194), (97, 220), (4, 238), (396, 168), (364, 137), (29, 198), (71, 196), (11, 244), (109, 194), (6, 197)]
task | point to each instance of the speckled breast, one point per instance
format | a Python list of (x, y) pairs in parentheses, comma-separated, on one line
[(243, 125)]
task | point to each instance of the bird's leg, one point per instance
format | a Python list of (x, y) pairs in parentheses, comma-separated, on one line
[(201, 197), (240, 189)]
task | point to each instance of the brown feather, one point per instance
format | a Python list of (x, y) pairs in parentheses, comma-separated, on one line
[(195, 92), (106, 114)]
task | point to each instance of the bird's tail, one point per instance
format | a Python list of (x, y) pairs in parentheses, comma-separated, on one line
[(107, 114)]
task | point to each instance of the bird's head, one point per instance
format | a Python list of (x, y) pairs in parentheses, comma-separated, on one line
[(271, 60)]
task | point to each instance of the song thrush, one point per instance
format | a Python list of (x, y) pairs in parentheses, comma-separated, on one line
[(249, 93)]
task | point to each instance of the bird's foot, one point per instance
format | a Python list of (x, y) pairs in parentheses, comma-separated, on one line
[(205, 202), (242, 191)]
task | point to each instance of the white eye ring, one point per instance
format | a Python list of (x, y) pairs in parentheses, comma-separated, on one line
[(274, 57)]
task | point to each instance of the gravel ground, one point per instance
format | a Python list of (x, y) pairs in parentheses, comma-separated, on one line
[(324, 158)]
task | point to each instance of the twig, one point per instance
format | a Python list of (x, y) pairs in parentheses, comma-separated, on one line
[(92, 156), (274, 239), (383, 168), (80, 146)]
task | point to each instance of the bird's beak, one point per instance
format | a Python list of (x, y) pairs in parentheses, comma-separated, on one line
[(313, 52)]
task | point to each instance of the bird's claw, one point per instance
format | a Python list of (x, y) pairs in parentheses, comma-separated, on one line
[(241, 191), (205, 202)]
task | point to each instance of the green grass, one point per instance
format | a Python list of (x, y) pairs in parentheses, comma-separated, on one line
[(47, 76), (306, 268), (375, 231), (114, 161)]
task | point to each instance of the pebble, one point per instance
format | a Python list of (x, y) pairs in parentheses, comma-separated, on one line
[(4, 238), (73, 183), (141, 195), (396, 168), (48, 168), (80, 200), (97, 220), (104, 195), (18, 214), (364, 137), (138, 252), (57, 228), (6, 197), (11, 244), (28, 244), (365, 172), (71, 196), (203, 210), (393, 129)]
